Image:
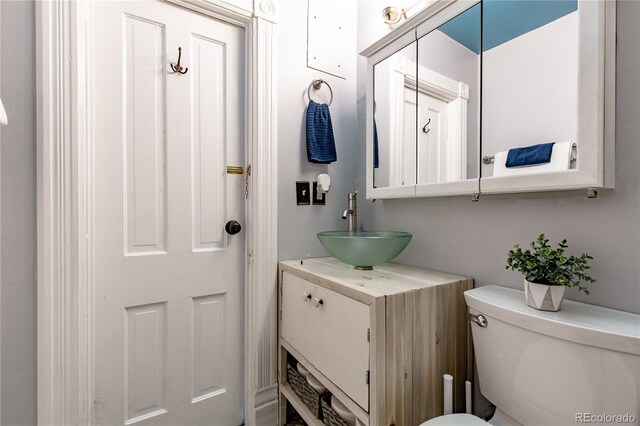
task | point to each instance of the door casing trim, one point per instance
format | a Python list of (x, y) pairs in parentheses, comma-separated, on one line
[(65, 207)]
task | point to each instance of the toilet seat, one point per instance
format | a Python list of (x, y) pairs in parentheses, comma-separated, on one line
[(455, 420)]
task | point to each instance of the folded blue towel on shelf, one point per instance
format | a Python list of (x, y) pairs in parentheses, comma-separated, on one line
[(321, 145), (528, 155), (376, 158)]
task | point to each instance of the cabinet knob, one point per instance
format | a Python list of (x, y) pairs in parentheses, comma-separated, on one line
[(306, 297), (317, 302)]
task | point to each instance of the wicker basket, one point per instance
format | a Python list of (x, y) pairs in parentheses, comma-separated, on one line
[(307, 394), (330, 417)]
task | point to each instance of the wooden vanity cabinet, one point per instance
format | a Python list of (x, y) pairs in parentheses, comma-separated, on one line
[(378, 340)]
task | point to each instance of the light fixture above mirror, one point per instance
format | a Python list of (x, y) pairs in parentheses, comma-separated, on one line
[(393, 15)]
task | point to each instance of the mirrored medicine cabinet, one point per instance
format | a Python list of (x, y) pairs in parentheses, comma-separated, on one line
[(453, 89)]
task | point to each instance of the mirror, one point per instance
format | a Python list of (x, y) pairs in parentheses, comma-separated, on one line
[(485, 97), (530, 87), (448, 94), (426, 129), (394, 144)]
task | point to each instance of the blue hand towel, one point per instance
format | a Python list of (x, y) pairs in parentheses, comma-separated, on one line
[(321, 145), (376, 159), (528, 155)]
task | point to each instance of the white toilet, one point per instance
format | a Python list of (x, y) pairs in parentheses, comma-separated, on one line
[(552, 368)]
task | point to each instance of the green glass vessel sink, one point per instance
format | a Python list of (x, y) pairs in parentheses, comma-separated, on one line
[(364, 249)]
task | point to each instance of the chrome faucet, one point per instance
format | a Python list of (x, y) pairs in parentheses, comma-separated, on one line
[(351, 213)]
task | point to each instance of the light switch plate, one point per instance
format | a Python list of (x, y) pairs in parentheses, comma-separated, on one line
[(318, 197), (303, 193)]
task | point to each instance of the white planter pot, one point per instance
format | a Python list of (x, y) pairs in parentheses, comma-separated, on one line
[(544, 297)]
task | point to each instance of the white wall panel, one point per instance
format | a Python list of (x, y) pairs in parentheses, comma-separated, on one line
[(146, 347), (208, 137), (144, 117), (209, 346), (330, 22)]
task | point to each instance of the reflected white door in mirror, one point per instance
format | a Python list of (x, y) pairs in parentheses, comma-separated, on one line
[(471, 97), (438, 152), (442, 134)]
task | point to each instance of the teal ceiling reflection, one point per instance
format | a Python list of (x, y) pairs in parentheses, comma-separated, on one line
[(504, 20)]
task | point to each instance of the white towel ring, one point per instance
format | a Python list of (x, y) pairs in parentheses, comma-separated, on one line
[(316, 84)]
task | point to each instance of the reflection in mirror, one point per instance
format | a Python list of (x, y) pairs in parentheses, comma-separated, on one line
[(395, 119), (448, 92), (530, 86)]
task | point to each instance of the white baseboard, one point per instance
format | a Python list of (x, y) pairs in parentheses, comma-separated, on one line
[(266, 409)]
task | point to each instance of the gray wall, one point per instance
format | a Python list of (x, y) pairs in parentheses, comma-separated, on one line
[(298, 225), (450, 234), (457, 235), (18, 201)]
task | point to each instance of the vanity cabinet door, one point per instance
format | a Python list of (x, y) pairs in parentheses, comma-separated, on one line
[(331, 332), (297, 314), (341, 335)]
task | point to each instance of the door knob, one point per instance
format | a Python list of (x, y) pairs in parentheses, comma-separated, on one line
[(232, 227)]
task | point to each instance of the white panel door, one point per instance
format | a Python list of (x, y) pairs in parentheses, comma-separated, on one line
[(433, 139), (408, 152), (168, 291)]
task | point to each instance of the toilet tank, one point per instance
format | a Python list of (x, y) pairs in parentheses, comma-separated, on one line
[(556, 368)]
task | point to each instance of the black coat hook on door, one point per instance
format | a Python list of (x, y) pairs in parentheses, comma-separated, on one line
[(425, 129), (177, 67)]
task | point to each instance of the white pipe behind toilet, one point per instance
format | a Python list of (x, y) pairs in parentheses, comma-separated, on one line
[(448, 393)]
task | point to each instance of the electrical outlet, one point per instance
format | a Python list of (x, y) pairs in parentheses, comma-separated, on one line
[(303, 194), (318, 197)]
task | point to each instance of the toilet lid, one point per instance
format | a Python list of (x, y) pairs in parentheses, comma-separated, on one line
[(455, 420)]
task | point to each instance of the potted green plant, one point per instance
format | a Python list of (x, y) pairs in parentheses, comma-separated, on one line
[(548, 272)]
